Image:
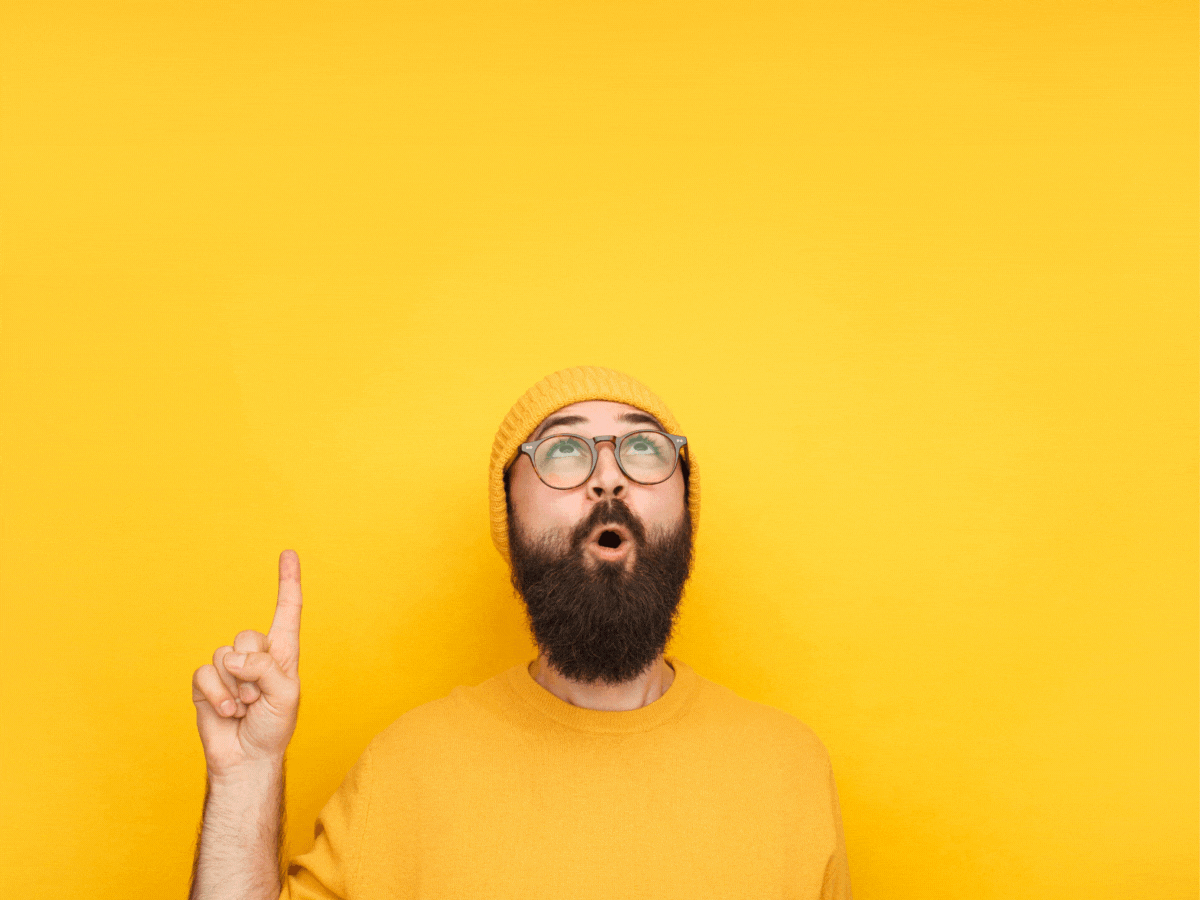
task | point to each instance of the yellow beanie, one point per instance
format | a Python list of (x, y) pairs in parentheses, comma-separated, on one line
[(553, 393)]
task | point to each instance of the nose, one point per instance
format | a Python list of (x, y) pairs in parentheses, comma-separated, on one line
[(607, 479)]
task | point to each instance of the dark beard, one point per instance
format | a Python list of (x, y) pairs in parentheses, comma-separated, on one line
[(595, 620)]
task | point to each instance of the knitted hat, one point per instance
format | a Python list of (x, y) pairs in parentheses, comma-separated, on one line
[(553, 393)]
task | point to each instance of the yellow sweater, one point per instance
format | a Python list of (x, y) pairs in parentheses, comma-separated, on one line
[(503, 790)]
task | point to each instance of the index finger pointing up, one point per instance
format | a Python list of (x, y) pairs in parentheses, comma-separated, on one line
[(285, 627)]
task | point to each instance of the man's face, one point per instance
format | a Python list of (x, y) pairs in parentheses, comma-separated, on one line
[(601, 566)]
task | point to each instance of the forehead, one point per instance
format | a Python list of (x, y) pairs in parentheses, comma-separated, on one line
[(592, 417)]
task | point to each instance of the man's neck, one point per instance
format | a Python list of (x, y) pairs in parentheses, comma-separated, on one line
[(627, 695)]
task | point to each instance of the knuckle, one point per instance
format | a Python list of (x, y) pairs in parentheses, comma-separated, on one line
[(249, 640), (219, 654), (198, 675), (206, 682)]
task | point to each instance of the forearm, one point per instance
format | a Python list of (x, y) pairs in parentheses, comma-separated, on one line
[(238, 854)]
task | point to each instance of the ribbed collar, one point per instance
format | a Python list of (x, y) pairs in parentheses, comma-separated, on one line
[(666, 708)]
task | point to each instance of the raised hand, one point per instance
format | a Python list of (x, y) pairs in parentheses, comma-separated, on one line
[(246, 699)]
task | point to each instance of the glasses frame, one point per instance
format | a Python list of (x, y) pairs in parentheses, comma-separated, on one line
[(529, 448)]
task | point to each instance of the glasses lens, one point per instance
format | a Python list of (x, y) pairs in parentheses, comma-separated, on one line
[(648, 457), (563, 462)]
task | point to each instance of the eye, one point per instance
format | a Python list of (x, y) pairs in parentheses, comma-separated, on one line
[(641, 446), (563, 449)]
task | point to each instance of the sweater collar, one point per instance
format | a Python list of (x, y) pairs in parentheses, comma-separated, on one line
[(666, 708)]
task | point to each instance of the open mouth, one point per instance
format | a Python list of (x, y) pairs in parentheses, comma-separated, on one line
[(611, 542), (610, 539)]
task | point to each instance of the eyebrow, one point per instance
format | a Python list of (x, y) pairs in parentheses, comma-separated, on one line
[(557, 422), (633, 418)]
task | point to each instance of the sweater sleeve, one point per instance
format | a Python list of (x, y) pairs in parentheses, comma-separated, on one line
[(329, 871), (836, 885)]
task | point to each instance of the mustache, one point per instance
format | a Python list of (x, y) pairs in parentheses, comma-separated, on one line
[(609, 512)]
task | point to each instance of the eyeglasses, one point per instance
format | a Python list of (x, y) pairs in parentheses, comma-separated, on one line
[(565, 461)]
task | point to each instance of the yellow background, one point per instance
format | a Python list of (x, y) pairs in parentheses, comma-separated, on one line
[(919, 280)]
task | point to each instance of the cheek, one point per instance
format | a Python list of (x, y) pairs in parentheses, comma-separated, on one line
[(540, 510), (664, 508)]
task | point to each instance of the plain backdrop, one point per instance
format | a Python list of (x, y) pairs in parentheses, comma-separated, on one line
[(919, 280)]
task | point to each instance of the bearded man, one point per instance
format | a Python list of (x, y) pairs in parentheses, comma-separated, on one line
[(601, 769)]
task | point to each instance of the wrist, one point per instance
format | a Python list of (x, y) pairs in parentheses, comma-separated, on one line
[(247, 776)]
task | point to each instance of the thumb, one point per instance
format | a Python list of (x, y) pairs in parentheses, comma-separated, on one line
[(262, 669)]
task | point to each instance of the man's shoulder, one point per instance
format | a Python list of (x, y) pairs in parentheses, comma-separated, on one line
[(754, 721), (465, 711)]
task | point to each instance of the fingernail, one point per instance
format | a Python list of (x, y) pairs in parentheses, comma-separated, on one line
[(234, 660), (229, 707)]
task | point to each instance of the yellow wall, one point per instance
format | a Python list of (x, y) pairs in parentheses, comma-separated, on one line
[(919, 280)]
